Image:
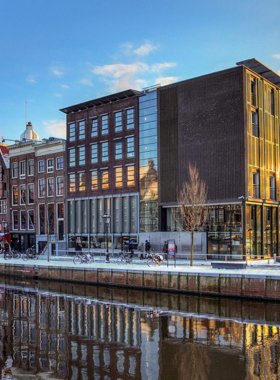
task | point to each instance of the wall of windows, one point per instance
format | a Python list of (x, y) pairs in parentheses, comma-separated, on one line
[(148, 175)]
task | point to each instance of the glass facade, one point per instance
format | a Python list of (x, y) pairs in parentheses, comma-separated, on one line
[(148, 164)]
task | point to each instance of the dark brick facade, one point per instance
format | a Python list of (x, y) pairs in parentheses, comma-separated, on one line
[(87, 115), (201, 121)]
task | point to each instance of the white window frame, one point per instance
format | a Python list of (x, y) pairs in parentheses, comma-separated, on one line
[(28, 193), (28, 221), (3, 205), (14, 163), (23, 229), (14, 204), (41, 179), (56, 163), (31, 175), (20, 186), (39, 232), (22, 176), (50, 169), (70, 162), (59, 220), (50, 196), (13, 220), (39, 166), (57, 194)]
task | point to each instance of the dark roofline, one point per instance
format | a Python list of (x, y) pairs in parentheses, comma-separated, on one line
[(100, 101), (259, 68)]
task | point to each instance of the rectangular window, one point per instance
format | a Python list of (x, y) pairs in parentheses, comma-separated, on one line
[(14, 170), (23, 220), (272, 186), (31, 193), (42, 219), (15, 195), (272, 101), (82, 181), (50, 218), (118, 177), (118, 150), (256, 184), (105, 151), (253, 91), (72, 157), (31, 219), (94, 154), (22, 166), (104, 125), (50, 164), (94, 127), (15, 220), (59, 163), (41, 166), (82, 130), (41, 188), (94, 180), (255, 124), (60, 210), (59, 186), (130, 152), (72, 182), (118, 121), (50, 187), (130, 176), (130, 119), (3, 207), (82, 155), (22, 194), (72, 132), (105, 179), (30, 167)]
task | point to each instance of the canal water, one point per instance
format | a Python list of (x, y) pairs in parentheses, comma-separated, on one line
[(52, 330)]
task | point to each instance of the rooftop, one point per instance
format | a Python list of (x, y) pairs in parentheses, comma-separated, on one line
[(261, 69)]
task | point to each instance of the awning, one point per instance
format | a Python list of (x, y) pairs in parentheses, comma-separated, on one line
[(6, 237)]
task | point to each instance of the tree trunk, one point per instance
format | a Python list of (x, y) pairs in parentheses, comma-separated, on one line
[(192, 249)]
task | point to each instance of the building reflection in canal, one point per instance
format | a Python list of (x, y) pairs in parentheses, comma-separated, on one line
[(77, 337)]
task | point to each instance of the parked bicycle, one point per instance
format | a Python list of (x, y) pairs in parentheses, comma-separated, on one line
[(125, 258), (154, 259), (11, 254), (81, 258), (30, 253)]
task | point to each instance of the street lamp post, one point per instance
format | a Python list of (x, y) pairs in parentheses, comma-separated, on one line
[(106, 219)]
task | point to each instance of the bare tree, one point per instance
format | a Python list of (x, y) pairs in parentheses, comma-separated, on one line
[(192, 211)]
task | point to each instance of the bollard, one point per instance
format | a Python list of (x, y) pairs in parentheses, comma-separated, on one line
[(274, 257)]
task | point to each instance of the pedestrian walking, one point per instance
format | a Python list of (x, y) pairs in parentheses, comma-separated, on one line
[(147, 248)]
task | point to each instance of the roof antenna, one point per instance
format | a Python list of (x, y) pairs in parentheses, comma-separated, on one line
[(25, 113)]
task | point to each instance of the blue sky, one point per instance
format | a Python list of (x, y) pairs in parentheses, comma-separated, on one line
[(58, 53)]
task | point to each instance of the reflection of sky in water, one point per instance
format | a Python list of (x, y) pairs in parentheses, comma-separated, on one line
[(72, 337)]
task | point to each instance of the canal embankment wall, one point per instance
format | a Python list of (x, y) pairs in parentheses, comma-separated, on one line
[(230, 284)]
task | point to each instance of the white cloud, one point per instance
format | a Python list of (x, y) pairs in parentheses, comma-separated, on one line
[(145, 49), (166, 80), (64, 86), (119, 69), (30, 79), (58, 95), (277, 56), (57, 72), (162, 66), (87, 82), (55, 128)]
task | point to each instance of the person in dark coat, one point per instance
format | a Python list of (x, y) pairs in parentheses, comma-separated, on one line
[(147, 247), (131, 248)]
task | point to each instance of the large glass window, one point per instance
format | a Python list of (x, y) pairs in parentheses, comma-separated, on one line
[(82, 130), (105, 179), (118, 177), (130, 150), (104, 125), (130, 175), (118, 121), (22, 169), (50, 163), (82, 181), (50, 187), (23, 220), (59, 186), (15, 220), (41, 188), (94, 180), (116, 214), (23, 194), (31, 196), (104, 151), (130, 118), (59, 163), (82, 155), (272, 186), (15, 195), (3, 207), (118, 150), (72, 182), (51, 218), (31, 219), (94, 127), (255, 124), (72, 132), (256, 184), (14, 170), (41, 166), (94, 154), (72, 157), (30, 167)]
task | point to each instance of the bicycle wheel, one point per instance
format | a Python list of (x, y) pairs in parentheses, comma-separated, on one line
[(119, 260), (16, 254), (91, 259), (77, 260), (151, 263), (8, 255), (24, 256)]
